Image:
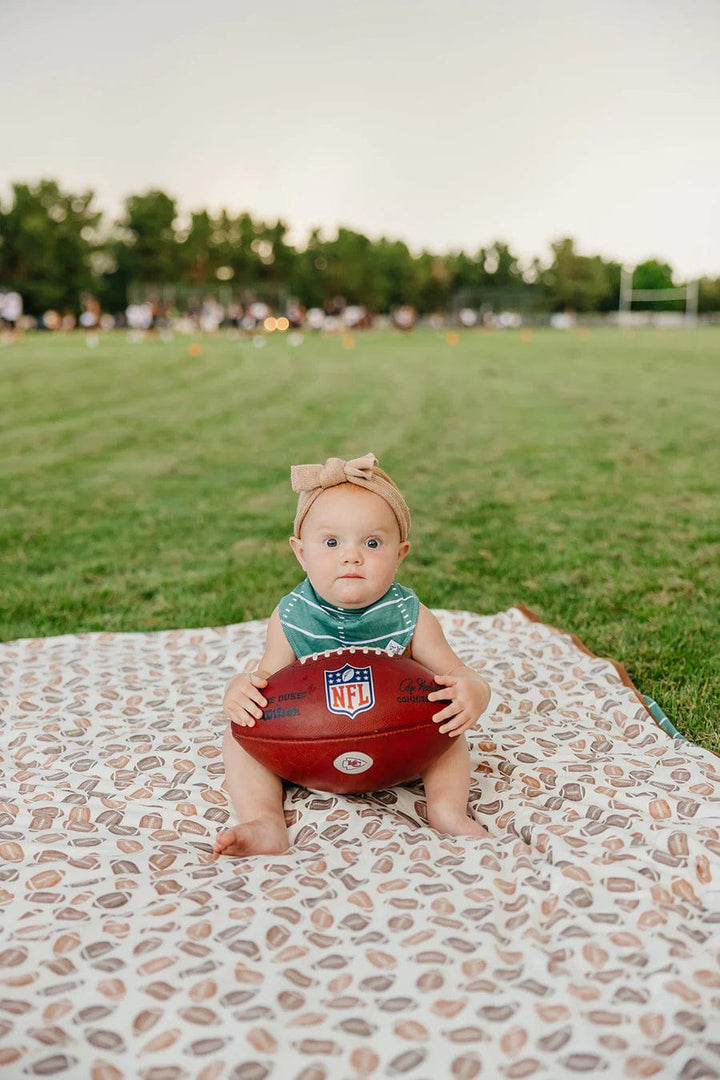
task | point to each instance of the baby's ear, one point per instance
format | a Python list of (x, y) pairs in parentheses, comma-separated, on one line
[(403, 550), (297, 545)]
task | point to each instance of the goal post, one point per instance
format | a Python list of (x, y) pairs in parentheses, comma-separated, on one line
[(688, 293)]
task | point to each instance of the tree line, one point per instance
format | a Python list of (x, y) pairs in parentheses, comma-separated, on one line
[(56, 246)]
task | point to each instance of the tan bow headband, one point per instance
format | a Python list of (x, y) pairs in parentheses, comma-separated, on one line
[(309, 481)]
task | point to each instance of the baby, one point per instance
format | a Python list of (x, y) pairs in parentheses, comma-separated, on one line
[(350, 537)]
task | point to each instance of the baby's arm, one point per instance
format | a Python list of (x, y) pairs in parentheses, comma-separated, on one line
[(466, 692), (243, 701)]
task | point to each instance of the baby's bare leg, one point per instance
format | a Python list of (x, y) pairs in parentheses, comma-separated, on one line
[(447, 785), (257, 798)]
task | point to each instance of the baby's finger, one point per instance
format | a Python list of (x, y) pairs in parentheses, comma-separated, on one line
[(250, 699), (452, 729), (457, 725), (253, 710), (440, 695), (257, 699), (250, 703), (445, 714), (241, 717)]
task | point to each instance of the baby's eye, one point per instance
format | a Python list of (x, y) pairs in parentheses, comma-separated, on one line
[(373, 542), (331, 542)]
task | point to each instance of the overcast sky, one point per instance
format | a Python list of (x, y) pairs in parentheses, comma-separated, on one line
[(447, 124)]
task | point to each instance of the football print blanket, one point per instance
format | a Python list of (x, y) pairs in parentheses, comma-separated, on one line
[(582, 937)]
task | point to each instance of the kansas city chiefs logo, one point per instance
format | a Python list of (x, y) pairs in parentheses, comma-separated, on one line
[(349, 690), (353, 762)]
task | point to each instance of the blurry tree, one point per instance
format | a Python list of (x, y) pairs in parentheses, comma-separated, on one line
[(492, 277), (393, 275), (709, 294), (502, 268), (47, 237), (145, 247), (654, 274), (274, 255), (467, 273), (378, 274), (350, 263), (576, 282), (610, 300), (533, 272), (197, 257), (240, 233), (254, 256), (433, 283), (308, 281), (346, 268)]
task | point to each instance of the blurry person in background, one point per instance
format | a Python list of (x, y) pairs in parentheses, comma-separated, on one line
[(50, 320), (11, 309), (404, 317), (90, 319), (234, 318), (212, 314), (295, 313), (139, 319), (161, 318)]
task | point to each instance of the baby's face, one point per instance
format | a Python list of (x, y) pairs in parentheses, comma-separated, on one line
[(350, 546)]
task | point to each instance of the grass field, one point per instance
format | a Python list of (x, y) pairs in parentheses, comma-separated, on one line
[(147, 488)]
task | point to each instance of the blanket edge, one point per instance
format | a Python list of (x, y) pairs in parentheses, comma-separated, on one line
[(532, 616)]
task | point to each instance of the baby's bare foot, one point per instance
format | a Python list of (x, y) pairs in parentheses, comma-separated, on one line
[(263, 836), (456, 824)]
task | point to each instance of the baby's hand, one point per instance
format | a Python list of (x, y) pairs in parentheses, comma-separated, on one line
[(469, 696), (243, 701)]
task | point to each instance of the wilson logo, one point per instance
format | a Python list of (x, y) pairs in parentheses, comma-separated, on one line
[(349, 690)]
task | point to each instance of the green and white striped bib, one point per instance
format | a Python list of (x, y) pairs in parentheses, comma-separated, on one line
[(312, 625)]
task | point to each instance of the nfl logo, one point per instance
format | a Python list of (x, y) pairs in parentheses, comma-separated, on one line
[(349, 690)]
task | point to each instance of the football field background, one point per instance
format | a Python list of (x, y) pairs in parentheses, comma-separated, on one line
[(146, 485)]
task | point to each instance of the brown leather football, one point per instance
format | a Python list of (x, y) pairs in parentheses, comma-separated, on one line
[(347, 721)]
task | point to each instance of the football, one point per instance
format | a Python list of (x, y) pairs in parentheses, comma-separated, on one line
[(347, 721)]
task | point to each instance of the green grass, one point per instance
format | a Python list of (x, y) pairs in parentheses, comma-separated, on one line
[(577, 474)]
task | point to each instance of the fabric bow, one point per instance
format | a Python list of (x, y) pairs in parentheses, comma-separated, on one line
[(335, 471), (309, 481)]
